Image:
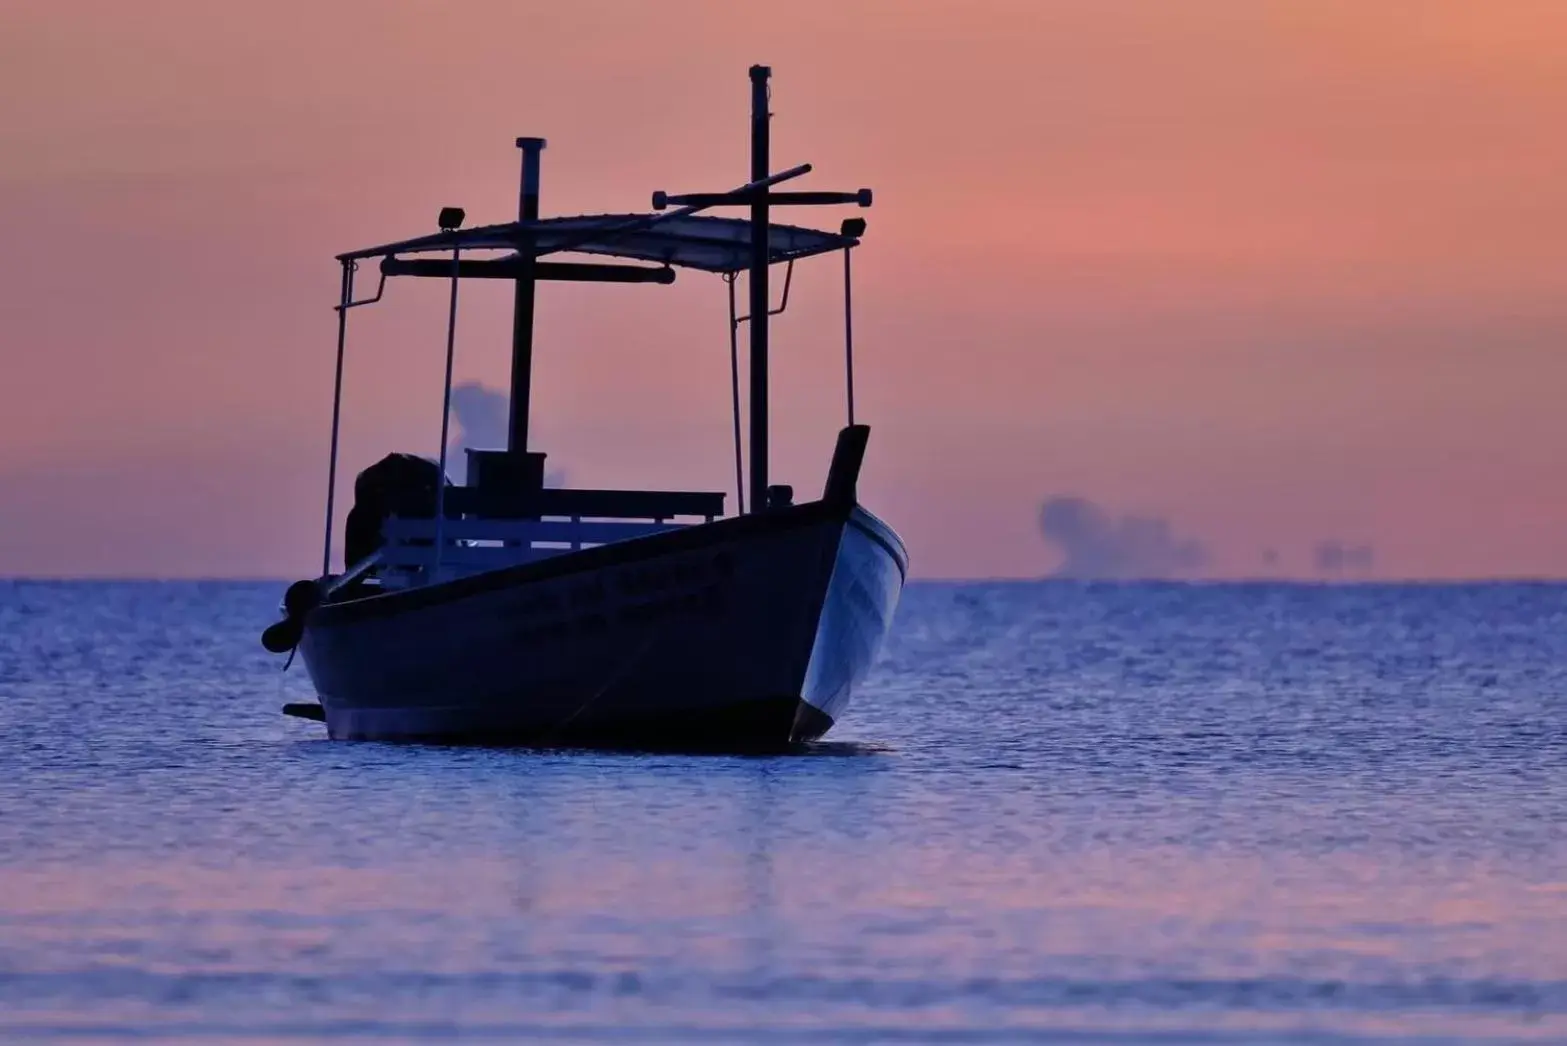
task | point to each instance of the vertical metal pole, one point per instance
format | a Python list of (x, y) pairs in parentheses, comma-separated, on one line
[(522, 302), (848, 332), (446, 414), (528, 191), (734, 389), (346, 294), (757, 282)]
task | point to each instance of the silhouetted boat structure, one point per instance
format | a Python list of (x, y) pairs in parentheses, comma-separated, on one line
[(503, 610)]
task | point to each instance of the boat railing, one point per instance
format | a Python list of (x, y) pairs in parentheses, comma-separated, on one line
[(568, 503), (474, 545)]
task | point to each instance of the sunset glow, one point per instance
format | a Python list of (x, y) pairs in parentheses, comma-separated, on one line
[(1277, 274)]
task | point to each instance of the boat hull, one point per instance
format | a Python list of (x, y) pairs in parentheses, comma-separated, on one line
[(745, 632)]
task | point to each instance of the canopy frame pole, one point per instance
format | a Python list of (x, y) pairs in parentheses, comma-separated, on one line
[(757, 285), (848, 332), (446, 414), (784, 304), (734, 389), (345, 301), (380, 289)]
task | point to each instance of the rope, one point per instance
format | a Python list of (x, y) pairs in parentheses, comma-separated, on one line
[(614, 680), (446, 414), (345, 296)]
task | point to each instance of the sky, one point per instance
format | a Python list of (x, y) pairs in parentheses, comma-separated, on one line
[(1225, 288)]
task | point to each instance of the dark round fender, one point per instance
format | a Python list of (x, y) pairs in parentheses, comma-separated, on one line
[(283, 636), (301, 598)]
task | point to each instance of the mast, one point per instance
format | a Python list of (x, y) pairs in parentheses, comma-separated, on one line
[(760, 241), (522, 302)]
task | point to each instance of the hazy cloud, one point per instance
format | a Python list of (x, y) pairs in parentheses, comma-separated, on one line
[(483, 415), (1333, 556), (1096, 544)]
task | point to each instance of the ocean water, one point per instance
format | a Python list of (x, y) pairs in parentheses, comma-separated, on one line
[(1100, 814)]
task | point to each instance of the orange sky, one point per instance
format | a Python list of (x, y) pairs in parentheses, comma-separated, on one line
[(1275, 272)]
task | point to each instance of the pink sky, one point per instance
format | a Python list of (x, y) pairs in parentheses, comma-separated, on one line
[(1276, 272)]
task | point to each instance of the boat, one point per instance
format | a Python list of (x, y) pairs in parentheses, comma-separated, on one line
[(505, 610)]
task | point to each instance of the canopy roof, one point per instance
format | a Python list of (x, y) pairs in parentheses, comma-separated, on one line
[(695, 241)]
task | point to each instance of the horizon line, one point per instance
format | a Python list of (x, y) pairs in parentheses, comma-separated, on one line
[(1193, 582)]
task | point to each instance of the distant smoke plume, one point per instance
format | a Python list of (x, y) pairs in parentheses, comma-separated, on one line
[(483, 416), (1334, 557), (1096, 544)]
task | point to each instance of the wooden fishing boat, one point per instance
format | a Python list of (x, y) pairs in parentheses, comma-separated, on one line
[(505, 610)]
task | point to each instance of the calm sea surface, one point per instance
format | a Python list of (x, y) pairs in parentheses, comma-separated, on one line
[(1104, 814)]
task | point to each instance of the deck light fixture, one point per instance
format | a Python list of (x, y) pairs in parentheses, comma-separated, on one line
[(451, 218), (854, 227)]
